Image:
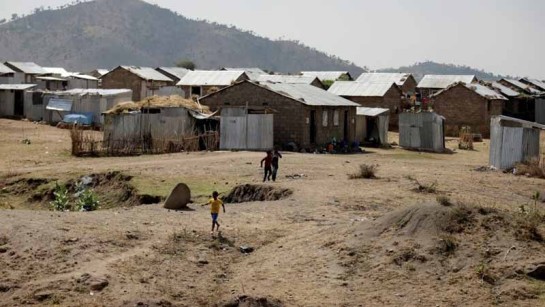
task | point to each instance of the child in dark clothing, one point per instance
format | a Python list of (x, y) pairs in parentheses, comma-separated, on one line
[(276, 156), (268, 163)]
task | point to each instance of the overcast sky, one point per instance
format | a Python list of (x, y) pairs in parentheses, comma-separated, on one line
[(501, 36)]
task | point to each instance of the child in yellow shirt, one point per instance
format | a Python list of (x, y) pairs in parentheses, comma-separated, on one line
[(215, 204)]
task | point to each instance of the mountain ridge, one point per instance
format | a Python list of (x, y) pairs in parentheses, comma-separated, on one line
[(108, 33)]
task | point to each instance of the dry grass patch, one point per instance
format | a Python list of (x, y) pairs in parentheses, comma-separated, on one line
[(365, 171), (530, 169)]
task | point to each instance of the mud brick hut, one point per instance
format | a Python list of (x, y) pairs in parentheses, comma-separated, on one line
[(143, 81), (90, 103), (203, 82), (26, 72), (514, 141), (422, 131), (304, 115), (406, 82), (291, 79), (432, 84), (15, 100), (372, 126), (385, 95), (471, 105)]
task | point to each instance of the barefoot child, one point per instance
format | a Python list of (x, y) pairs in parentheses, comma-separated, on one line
[(215, 204)]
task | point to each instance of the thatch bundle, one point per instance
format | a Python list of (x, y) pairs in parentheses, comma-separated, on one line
[(173, 101)]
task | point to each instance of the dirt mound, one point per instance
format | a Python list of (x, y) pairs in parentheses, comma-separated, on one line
[(113, 189), (247, 301), (251, 192)]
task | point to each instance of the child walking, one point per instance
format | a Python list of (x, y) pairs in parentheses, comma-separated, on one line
[(215, 204), (268, 166)]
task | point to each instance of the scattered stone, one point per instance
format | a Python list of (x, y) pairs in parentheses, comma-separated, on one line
[(202, 262), (296, 176), (97, 283), (178, 198), (246, 249), (71, 240), (5, 287), (132, 236), (3, 249)]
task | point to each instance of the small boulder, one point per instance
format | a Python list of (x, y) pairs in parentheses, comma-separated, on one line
[(97, 283), (537, 272), (246, 249), (178, 198)]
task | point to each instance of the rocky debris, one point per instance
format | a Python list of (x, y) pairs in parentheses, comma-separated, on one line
[(3, 249), (251, 192), (296, 176), (132, 235), (246, 249), (43, 296), (95, 283)]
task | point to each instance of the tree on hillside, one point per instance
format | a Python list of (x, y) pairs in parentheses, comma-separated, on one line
[(187, 64)]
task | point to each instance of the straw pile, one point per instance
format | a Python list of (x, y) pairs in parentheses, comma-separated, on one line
[(173, 101)]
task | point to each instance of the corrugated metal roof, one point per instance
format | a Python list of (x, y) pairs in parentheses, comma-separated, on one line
[(100, 92), (84, 77), (443, 81), (504, 89), (252, 72), (58, 71), (56, 104), (485, 91), (210, 78), (524, 123), (147, 73), (308, 94), (28, 68), (5, 70), (371, 111), (47, 78), (522, 86), (16, 86), (102, 72), (397, 78), (290, 79), (326, 75), (537, 83), (178, 72), (360, 89)]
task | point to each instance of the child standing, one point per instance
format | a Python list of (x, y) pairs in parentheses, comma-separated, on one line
[(276, 156), (215, 204), (268, 166)]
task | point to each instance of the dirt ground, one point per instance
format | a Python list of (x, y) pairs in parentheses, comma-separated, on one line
[(333, 242)]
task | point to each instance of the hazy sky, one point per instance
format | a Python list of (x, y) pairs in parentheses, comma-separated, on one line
[(501, 36)]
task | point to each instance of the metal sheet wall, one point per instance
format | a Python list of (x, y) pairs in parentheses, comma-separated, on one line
[(241, 131), (540, 111), (422, 131)]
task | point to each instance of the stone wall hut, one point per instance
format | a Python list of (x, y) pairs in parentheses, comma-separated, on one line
[(26, 72), (470, 105), (303, 114), (406, 82), (203, 82), (143, 81), (371, 95), (432, 84), (291, 79)]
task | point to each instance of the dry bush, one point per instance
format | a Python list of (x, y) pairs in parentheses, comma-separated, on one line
[(366, 171), (528, 222), (423, 188), (530, 169), (459, 218)]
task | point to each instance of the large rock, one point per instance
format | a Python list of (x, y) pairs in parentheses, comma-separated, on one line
[(178, 198)]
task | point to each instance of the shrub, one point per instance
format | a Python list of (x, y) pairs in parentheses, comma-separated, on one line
[(87, 201), (366, 171), (61, 202), (447, 244), (528, 222), (423, 188), (444, 201), (458, 219)]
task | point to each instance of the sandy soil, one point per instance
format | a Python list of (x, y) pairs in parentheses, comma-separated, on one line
[(318, 247)]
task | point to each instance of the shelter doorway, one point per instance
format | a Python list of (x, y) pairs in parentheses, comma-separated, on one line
[(345, 133), (373, 137), (312, 127), (19, 104)]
